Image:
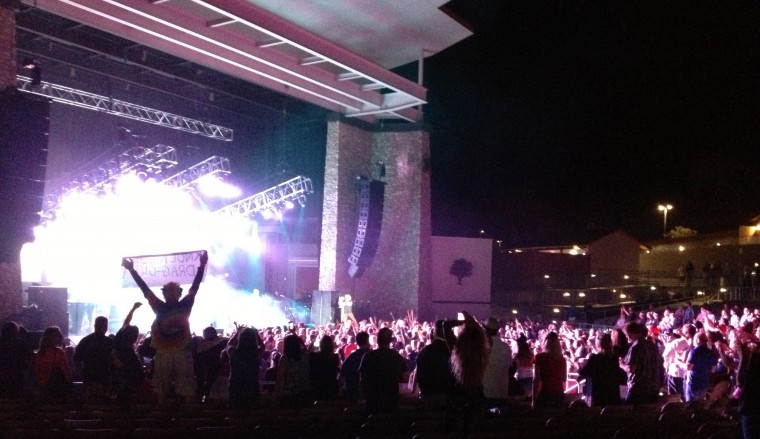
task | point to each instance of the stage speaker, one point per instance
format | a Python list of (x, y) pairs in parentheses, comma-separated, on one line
[(49, 299), (371, 200), (322, 307), (59, 319), (24, 122)]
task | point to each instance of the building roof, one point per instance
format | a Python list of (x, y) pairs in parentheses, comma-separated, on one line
[(335, 54)]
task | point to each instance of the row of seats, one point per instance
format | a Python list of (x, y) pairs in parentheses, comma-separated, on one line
[(334, 419)]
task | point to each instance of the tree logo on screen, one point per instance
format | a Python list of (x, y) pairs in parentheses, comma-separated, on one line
[(461, 268)]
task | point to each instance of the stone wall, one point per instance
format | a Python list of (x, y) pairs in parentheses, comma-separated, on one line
[(7, 47), (10, 273), (399, 277), (348, 156), (10, 289)]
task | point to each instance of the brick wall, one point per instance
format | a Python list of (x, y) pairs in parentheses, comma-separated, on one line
[(10, 289), (10, 273), (7, 47)]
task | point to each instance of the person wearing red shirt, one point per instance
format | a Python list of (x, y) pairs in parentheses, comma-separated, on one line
[(52, 368), (549, 375)]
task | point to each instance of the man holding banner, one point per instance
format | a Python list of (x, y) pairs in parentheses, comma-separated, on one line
[(170, 331)]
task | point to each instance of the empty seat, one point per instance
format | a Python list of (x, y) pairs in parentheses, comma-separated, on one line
[(157, 433), (222, 432), (98, 433)]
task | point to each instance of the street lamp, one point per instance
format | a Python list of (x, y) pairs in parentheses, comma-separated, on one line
[(664, 208)]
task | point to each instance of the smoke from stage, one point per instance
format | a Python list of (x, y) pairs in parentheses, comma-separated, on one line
[(81, 245)]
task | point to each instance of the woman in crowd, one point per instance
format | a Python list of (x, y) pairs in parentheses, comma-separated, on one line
[(292, 385), (52, 368), (469, 358), (523, 362), (620, 343), (243, 353), (324, 367), (550, 374)]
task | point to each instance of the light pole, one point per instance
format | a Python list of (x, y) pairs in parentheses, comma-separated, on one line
[(664, 208)]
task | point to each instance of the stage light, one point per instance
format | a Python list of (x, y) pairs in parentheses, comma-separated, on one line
[(302, 201), (289, 205), (267, 214), (142, 174), (127, 184), (213, 186)]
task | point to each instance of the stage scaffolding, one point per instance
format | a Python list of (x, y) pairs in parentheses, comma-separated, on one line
[(153, 161), (294, 189), (91, 101)]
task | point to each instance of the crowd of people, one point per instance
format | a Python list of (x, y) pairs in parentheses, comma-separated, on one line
[(694, 354)]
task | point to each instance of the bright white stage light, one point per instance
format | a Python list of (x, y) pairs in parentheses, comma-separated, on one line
[(211, 186), (127, 185)]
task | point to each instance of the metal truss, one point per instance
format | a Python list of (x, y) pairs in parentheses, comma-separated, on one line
[(211, 166), (91, 101), (153, 161), (290, 190)]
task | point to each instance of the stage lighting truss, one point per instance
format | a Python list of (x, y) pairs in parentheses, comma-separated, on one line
[(272, 198), (211, 166), (152, 161), (91, 101)]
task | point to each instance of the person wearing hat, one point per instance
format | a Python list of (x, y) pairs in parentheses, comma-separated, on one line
[(170, 333), (496, 378), (676, 349)]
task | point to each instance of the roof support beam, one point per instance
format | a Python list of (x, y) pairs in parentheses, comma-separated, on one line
[(219, 34)]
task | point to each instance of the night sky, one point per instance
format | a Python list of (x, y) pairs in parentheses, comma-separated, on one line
[(559, 122)]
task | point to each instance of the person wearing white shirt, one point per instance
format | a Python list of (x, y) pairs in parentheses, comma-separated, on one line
[(496, 378), (676, 350), (346, 305)]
